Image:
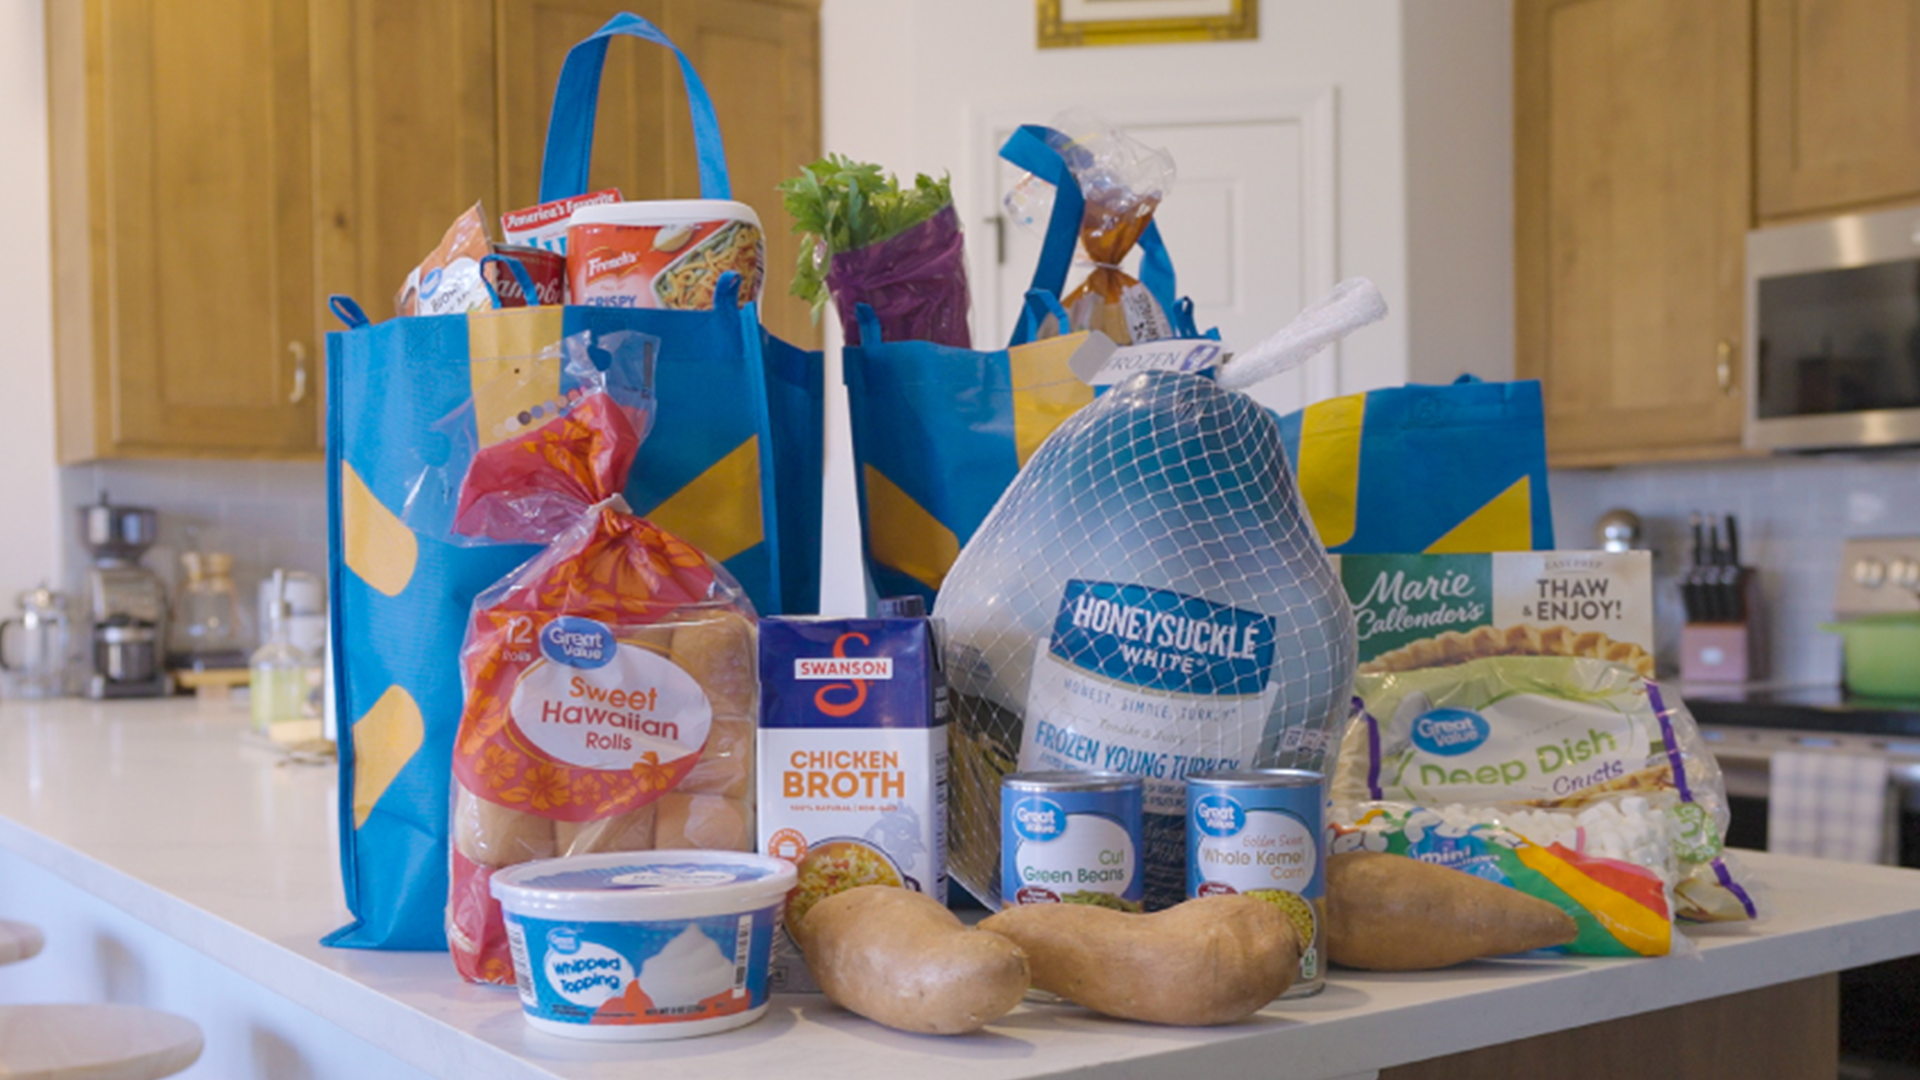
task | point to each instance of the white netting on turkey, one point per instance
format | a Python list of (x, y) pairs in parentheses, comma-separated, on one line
[(1148, 597)]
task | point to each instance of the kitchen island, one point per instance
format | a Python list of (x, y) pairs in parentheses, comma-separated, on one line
[(175, 862)]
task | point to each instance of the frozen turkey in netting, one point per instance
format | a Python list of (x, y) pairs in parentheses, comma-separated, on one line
[(1148, 597)]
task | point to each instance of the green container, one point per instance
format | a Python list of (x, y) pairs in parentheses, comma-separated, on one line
[(1882, 654)]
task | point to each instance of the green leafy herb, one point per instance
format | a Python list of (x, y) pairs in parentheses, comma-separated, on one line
[(839, 204)]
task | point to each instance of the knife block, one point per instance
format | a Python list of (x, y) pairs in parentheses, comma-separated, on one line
[(1725, 652), (1716, 653)]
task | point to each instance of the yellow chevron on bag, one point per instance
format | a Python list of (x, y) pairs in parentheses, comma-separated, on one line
[(904, 536), (1443, 469), (1045, 391), (1504, 524), (384, 740), (515, 365), (375, 545), (1329, 465), (710, 513)]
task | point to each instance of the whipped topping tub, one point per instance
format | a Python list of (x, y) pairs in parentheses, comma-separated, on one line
[(643, 944)]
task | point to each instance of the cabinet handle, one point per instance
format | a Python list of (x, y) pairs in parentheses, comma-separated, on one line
[(299, 352), (1723, 367)]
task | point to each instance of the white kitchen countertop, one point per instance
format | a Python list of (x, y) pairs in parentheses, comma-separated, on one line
[(163, 809)]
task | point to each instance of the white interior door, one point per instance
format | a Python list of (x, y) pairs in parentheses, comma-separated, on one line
[(1249, 223)]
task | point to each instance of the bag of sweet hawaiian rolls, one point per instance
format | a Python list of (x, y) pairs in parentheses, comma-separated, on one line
[(610, 689)]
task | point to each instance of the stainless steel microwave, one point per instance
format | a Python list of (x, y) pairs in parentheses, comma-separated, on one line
[(1833, 332)]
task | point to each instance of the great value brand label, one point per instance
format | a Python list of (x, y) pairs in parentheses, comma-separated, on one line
[(1146, 681), (1254, 839), (625, 973), (1071, 847), (593, 726)]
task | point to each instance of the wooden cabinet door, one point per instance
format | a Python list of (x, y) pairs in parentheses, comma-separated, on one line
[(759, 60), (184, 245), (1632, 168), (404, 132), (1838, 99)]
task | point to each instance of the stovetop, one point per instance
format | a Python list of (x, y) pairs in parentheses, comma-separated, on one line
[(1801, 708)]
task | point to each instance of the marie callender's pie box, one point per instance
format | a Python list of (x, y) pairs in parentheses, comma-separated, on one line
[(852, 762)]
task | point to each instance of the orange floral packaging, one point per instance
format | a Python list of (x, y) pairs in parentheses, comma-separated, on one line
[(610, 680)]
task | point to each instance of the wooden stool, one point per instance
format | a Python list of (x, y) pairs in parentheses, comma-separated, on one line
[(19, 941), (94, 1042)]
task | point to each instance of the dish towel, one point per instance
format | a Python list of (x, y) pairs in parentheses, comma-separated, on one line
[(1829, 806)]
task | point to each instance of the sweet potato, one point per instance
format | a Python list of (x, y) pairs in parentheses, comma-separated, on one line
[(1391, 913), (1213, 960), (900, 958)]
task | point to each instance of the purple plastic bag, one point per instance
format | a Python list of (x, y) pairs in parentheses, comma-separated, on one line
[(916, 283)]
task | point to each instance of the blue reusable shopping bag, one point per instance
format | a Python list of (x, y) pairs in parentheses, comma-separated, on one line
[(732, 466), (1449, 469), (939, 432)]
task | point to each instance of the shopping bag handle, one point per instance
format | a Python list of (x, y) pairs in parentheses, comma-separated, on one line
[(563, 172), (520, 276), (1036, 148)]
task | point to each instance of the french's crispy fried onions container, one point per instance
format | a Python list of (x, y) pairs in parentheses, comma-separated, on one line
[(610, 693), (663, 254)]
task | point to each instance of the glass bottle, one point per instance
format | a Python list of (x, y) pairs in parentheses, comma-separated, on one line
[(207, 623), (278, 686)]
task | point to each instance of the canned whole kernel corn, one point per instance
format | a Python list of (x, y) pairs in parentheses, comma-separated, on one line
[(1258, 832), (1071, 838)]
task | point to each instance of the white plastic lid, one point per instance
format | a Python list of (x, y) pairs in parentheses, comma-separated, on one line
[(642, 886), (664, 212)]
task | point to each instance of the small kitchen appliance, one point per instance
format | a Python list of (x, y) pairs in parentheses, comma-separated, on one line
[(39, 667), (1877, 609), (1832, 347), (127, 604)]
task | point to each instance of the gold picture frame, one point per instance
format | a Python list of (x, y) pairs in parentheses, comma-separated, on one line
[(1063, 25)]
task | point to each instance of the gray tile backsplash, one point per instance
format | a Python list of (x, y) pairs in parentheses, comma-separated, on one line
[(1794, 512), (268, 514)]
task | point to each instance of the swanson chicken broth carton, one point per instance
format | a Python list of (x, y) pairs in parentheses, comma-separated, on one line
[(853, 762)]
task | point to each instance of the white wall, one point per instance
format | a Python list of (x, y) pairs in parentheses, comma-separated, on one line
[(1424, 153), (1459, 146), (906, 80), (31, 514)]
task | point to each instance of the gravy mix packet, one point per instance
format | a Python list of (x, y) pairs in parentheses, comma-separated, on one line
[(853, 763), (1511, 696), (610, 690)]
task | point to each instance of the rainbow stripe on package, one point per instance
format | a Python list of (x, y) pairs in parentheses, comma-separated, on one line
[(1621, 908)]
